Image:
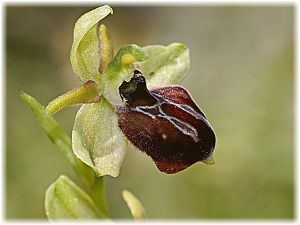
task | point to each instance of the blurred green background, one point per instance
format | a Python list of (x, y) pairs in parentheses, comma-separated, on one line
[(242, 76)]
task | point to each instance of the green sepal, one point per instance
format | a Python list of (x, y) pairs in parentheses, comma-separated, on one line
[(97, 139), (84, 55)]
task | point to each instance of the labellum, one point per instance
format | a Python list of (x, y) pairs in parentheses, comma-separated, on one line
[(166, 124)]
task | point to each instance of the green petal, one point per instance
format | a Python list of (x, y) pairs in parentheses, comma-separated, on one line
[(86, 93), (97, 140), (65, 200), (135, 206), (166, 65), (85, 49), (120, 69), (106, 47)]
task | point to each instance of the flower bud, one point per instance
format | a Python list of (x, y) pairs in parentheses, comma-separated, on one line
[(166, 124)]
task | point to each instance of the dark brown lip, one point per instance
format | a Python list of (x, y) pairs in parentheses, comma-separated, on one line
[(166, 124)]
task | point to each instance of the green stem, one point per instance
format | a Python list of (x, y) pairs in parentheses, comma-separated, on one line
[(97, 193), (93, 184)]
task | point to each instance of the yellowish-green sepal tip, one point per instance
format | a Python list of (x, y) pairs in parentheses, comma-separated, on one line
[(209, 161)]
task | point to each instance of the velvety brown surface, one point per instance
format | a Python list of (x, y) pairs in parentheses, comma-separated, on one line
[(166, 124)]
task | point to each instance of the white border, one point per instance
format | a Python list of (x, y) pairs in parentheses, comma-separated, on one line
[(3, 111), (148, 3)]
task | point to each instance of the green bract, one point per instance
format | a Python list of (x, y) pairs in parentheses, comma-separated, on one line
[(65, 200)]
